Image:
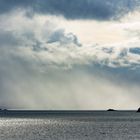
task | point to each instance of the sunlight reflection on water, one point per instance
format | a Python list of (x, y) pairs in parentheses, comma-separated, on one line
[(78, 127)]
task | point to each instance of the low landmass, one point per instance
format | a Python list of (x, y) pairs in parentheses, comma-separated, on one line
[(138, 109), (111, 110)]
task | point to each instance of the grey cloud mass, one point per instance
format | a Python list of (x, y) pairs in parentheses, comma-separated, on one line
[(74, 9), (63, 38), (54, 47)]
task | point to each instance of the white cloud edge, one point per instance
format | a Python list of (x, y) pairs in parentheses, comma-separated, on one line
[(33, 35)]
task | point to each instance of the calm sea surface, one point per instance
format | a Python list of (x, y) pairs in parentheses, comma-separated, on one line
[(96, 125)]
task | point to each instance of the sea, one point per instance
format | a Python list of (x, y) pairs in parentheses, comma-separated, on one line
[(69, 125)]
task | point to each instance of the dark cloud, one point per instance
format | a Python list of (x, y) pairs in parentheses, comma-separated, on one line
[(63, 38), (7, 5), (74, 9), (135, 50)]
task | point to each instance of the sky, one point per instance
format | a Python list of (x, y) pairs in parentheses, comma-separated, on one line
[(70, 54)]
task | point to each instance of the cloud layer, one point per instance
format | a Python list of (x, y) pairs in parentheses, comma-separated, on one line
[(48, 44)]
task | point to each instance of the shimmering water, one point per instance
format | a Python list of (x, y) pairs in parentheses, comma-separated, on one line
[(97, 125)]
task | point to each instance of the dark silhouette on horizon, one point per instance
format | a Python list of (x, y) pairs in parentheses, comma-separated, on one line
[(111, 110), (138, 109)]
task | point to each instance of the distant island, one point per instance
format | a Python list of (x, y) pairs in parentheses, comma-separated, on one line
[(111, 110), (138, 109), (3, 109)]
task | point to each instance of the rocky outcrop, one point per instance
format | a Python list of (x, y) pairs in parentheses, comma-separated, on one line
[(138, 109), (111, 110), (3, 109)]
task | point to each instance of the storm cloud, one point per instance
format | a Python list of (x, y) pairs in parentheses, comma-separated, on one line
[(74, 9)]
